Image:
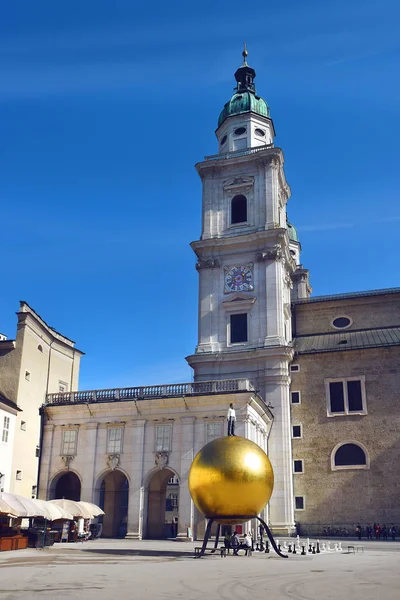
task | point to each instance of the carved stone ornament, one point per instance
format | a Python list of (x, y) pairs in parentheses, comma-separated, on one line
[(274, 253), (209, 263), (162, 459), (243, 183), (113, 461), (67, 460)]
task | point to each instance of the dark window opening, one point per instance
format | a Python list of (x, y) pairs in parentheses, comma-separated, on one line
[(354, 396), (260, 132), (298, 466), (223, 140), (299, 502), (341, 322), (239, 209), (240, 130), (336, 396), (350, 455), (295, 397), (294, 367), (238, 328), (296, 431)]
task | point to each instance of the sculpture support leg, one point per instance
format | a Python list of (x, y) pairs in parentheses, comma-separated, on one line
[(216, 538), (271, 538), (206, 538)]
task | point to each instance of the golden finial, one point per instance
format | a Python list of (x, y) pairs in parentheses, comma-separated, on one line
[(245, 54)]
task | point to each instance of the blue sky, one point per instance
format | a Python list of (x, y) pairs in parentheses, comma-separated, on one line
[(105, 108)]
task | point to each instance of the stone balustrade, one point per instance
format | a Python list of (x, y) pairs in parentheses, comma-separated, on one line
[(171, 390)]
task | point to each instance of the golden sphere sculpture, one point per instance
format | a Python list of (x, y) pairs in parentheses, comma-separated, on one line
[(231, 476)]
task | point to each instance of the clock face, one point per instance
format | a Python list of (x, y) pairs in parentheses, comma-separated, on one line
[(239, 279)]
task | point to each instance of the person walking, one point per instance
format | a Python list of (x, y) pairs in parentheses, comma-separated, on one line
[(369, 532), (359, 531), (231, 418), (384, 532)]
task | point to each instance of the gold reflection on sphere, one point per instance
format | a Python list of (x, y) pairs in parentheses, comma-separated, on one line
[(231, 476)]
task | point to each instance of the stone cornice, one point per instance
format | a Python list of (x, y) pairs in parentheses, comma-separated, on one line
[(284, 352), (251, 241)]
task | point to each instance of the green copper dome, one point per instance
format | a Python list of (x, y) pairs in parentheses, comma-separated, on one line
[(243, 102), (292, 232), (244, 99)]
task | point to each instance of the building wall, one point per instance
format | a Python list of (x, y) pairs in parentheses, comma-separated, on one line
[(138, 459), (6, 447), (39, 360), (345, 497), (366, 312)]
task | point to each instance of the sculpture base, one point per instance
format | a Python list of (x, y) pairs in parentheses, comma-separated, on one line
[(234, 519)]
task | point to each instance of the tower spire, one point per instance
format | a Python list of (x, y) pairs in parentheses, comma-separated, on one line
[(245, 55)]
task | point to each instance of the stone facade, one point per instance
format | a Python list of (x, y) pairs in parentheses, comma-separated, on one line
[(145, 465), (342, 497), (40, 360)]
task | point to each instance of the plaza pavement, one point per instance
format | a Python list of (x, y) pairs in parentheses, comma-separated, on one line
[(160, 570)]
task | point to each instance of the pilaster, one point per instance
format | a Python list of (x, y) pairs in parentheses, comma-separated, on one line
[(186, 506), (90, 432), (136, 431)]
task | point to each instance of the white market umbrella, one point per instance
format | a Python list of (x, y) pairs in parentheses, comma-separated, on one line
[(53, 512), (74, 508), (22, 507), (5, 509), (93, 508)]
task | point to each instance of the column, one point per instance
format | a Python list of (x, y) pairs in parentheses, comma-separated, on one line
[(90, 450), (281, 507), (136, 484), (46, 461), (186, 506)]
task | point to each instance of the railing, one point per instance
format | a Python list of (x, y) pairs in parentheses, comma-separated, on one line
[(172, 390), (236, 153)]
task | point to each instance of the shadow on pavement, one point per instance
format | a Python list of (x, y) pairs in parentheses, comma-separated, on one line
[(130, 552)]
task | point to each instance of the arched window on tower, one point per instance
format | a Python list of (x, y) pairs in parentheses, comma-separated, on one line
[(349, 455), (239, 209)]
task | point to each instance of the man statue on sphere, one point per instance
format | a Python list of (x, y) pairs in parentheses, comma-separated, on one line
[(231, 418)]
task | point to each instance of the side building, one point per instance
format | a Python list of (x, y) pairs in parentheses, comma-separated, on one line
[(345, 410), (39, 361)]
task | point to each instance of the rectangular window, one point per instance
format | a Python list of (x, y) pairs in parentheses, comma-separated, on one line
[(6, 429), (346, 396), (114, 440), (27, 376), (23, 425), (294, 368), (296, 431), (295, 397), (18, 475), (163, 438), (299, 502), (213, 431), (69, 439), (238, 328), (298, 466), (37, 451)]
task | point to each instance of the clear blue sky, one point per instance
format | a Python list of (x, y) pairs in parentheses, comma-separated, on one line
[(106, 106)]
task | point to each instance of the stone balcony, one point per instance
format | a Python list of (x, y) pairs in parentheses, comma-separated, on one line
[(237, 153), (172, 390)]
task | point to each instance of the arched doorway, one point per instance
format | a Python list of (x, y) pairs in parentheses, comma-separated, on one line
[(114, 496), (66, 485), (163, 505)]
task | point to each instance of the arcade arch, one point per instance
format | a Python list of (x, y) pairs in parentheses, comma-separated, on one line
[(162, 504), (112, 492), (65, 485)]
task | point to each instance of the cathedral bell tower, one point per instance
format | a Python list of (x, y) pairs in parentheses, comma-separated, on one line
[(248, 260)]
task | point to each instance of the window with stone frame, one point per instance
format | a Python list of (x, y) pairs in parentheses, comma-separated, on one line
[(349, 455), (6, 429), (163, 438), (238, 328), (239, 209), (299, 502), (346, 396), (114, 440), (295, 397), (213, 431), (69, 440)]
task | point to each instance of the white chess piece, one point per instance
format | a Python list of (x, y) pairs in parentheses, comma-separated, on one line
[(340, 549), (336, 548), (328, 547), (323, 549), (285, 546)]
